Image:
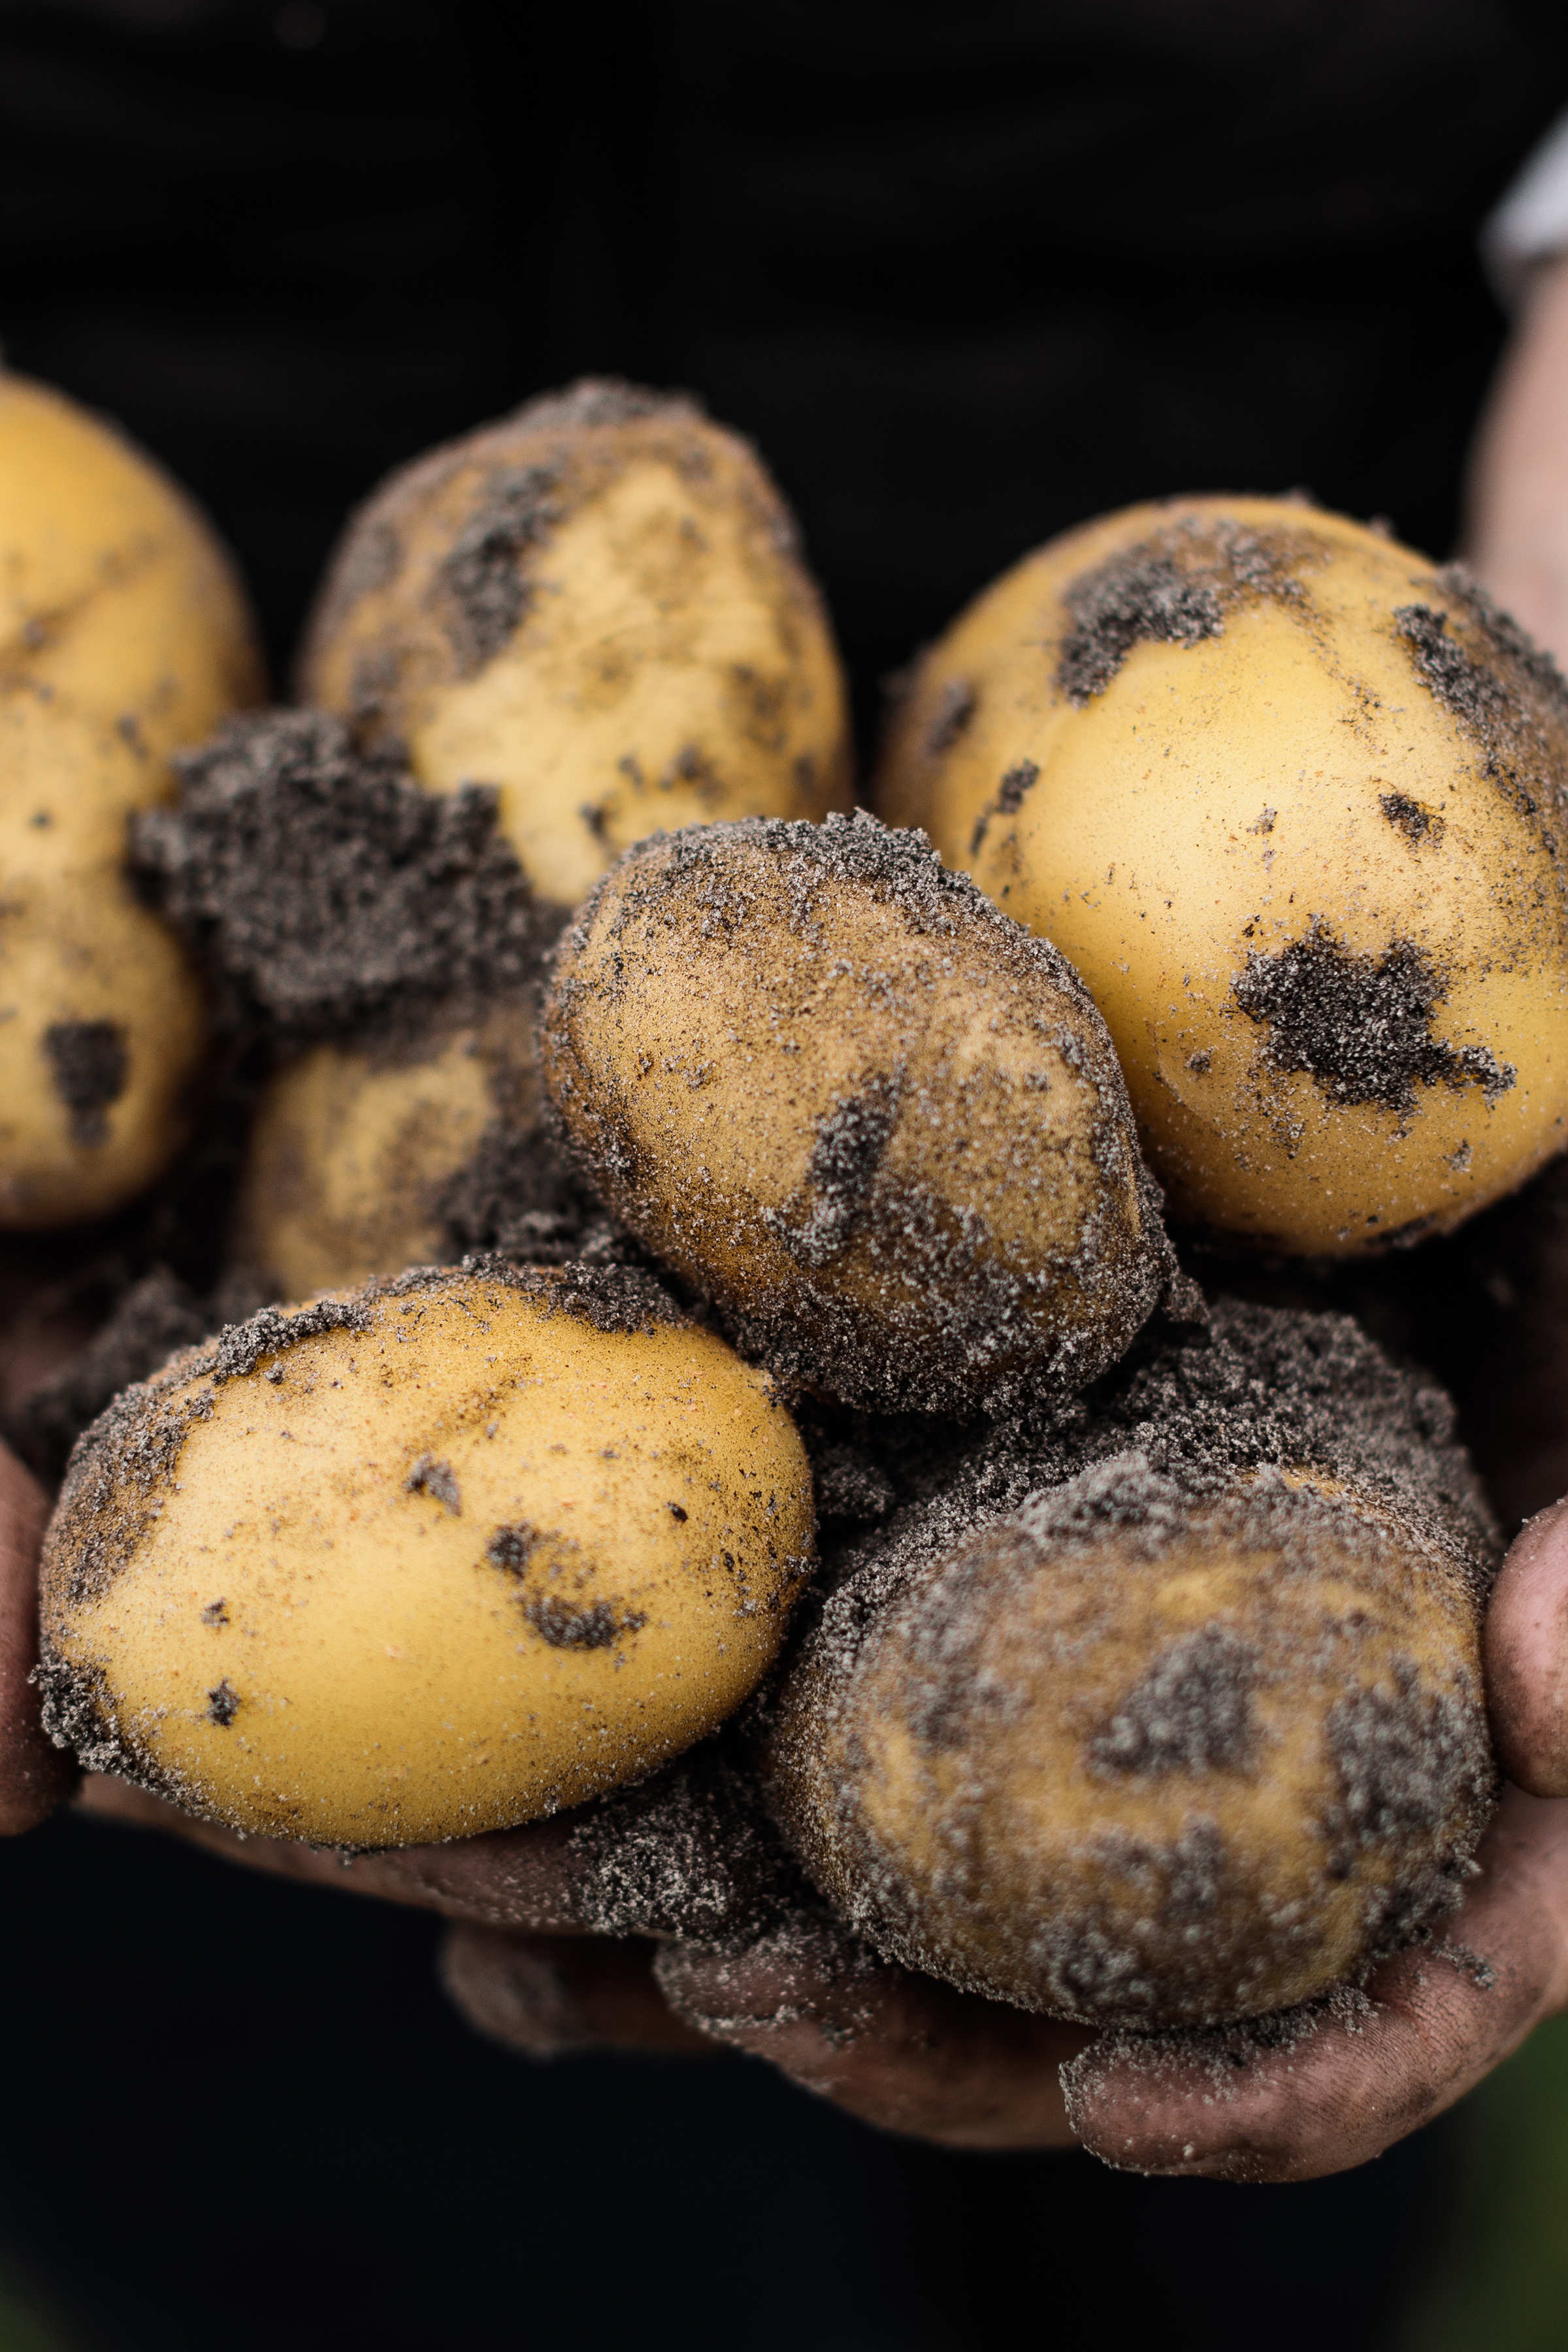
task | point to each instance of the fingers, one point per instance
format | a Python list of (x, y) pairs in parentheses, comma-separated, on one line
[(508, 1878), (1351, 2084), (548, 1996), (684, 1852), (35, 1775), (1527, 1657), (898, 2050)]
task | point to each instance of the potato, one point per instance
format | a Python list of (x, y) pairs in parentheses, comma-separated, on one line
[(1292, 802), (116, 600), (124, 635), (1191, 1733), (360, 1151), (599, 606), (101, 1016), (874, 1121), (439, 1556)]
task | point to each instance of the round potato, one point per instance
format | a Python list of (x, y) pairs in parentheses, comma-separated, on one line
[(102, 1022), (879, 1126), (1183, 1737), (598, 607), (434, 1557), (1293, 803), (116, 599), (360, 1152), (122, 635)]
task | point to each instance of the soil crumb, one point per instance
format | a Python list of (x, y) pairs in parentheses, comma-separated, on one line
[(1507, 694), (89, 1063), (1174, 588), (488, 593), (1407, 816), (1361, 1025), (1191, 1712)]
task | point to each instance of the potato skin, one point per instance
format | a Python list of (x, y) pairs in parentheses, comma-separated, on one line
[(1157, 1783), (877, 1124), (1292, 802), (441, 1556), (123, 634), (599, 606), (1164, 1716), (356, 1147)]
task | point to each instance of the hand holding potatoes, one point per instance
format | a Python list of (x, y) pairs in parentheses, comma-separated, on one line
[(1144, 1688)]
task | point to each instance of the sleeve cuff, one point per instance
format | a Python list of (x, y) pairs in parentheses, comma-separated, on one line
[(1531, 223)]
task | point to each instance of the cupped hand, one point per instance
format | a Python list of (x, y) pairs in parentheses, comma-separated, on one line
[(899, 2050)]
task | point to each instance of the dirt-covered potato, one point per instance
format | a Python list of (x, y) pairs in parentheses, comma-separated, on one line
[(1292, 801), (1192, 1732), (598, 607), (123, 634), (363, 1157), (874, 1120), (439, 1556)]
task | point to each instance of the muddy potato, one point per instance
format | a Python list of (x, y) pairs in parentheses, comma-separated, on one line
[(122, 635), (360, 1151), (436, 1557), (1173, 1740), (1292, 799), (599, 606), (116, 600), (877, 1124)]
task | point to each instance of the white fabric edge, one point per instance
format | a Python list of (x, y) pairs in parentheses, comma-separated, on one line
[(1531, 223)]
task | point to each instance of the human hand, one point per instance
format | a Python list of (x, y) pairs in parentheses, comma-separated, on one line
[(911, 2054), (1516, 534), (33, 1774)]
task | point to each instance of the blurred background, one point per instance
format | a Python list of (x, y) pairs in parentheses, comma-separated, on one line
[(967, 274)]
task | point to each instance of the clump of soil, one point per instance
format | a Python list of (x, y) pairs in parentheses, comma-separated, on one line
[(1506, 692), (1361, 1025), (328, 889)]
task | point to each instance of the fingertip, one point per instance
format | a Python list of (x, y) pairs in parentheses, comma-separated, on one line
[(1525, 1649), (35, 1775), (555, 1996)]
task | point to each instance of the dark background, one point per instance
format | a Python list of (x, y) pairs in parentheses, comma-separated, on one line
[(967, 273)]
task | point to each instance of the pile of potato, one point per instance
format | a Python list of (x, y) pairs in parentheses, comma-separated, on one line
[(715, 1243)]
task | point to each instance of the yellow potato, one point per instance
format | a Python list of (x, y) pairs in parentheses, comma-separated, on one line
[(358, 1150), (1182, 1737), (115, 597), (122, 635), (441, 1556), (1292, 802), (599, 606), (877, 1123)]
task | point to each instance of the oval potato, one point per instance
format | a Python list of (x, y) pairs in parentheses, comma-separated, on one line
[(123, 634), (877, 1123), (1292, 802), (1148, 1775), (441, 1556), (597, 606)]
